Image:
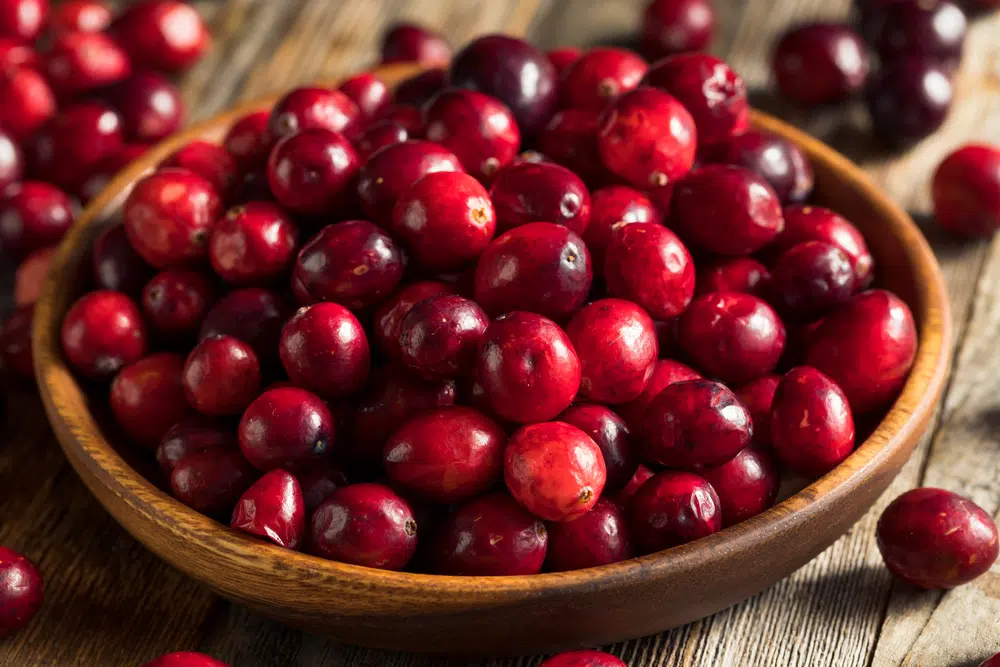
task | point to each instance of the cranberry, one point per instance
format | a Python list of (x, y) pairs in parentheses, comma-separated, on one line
[(324, 349), (211, 162), (23, 19), (491, 536), (438, 338), (611, 207), (221, 376), (319, 483), (253, 243), (392, 170), (15, 54), (676, 26), (528, 192), (15, 342), (391, 313), (477, 128), (908, 100), (109, 167), (995, 660), (417, 90), (365, 524), (101, 333), (65, 150), (815, 223), (193, 435), (286, 428), (820, 63), (446, 219), (32, 216), (758, 397), (166, 35), (211, 481), (570, 139), (313, 108), (247, 140), (867, 347), (775, 159), (377, 136), (311, 172), (735, 274), (273, 508), (80, 62), (185, 659), (967, 191), (665, 373), (624, 497), (562, 58), (811, 278), (253, 315), (934, 538), (527, 367), (175, 301), (28, 102), (599, 76), (150, 107), (647, 138), (611, 434), (11, 162), (80, 16), (408, 42), (935, 29), (541, 267), (147, 398), (21, 591), (673, 508), (647, 264), (746, 485), (599, 537), (30, 276), (367, 91)]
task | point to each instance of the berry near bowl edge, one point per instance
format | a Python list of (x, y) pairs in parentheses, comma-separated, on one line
[(626, 598)]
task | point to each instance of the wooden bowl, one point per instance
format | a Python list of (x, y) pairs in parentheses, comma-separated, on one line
[(524, 614)]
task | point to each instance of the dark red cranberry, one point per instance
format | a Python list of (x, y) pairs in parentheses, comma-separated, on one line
[(934, 29), (527, 367), (15, 342), (211, 481), (247, 140), (733, 336), (404, 115), (778, 161), (967, 191), (28, 102), (563, 57), (109, 167), (377, 136), (221, 376), (273, 508), (313, 108), (815, 223), (665, 373), (102, 332), (647, 138), (147, 398), (647, 264), (820, 63), (193, 435), (611, 434), (908, 100), (364, 524), (30, 275), (446, 220), (253, 315), (367, 91), (409, 42), (570, 139), (541, 267), (599, 76), (624, 497), (286, 428), (324, 349), (319, 483), (175, 301), (673, 508), (391, 313), (934, 538), (676, 26), (253, 243), (80, 62), (23, 19), (811, 278), (438, 338), (417, 90), (477, 128), (21, 591), (529, 192), (758, 397), (11, 162), (65, 150), (995, 660), (80, 16), (599, 537), (311, 172), (608, 207), (210, 161), (736, 274), (491, 536), (167, 35), (15, 54), (746, 485), (33, 215), (392, 170)]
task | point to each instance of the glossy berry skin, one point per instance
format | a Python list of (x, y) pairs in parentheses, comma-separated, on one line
[(676, 26), (936, 539), (611, 434), (287, 428), (908, 100), (192, 435), (528, 192), (15, 343), (211, 481), (746, 485), (221, 376), (570, 139), (80, 16), (734, 274), (491, 536), (377, 135), (647, 264), (168, 217), (599, 76), (80, 62), (583, 659), (448, 455), (324, 349), (477, 128), (21, 591), (147, 398), (364, 524), (820, 63), (273, 508), (150, 107), (725, 210), (775, 159), (439, 337), (367, 91), (391, 313), (23, 19), (540, 267), (513, 71), (33, 215), (408, 42), (28, 102), (353, 263), (758, 397), (966, 191), (253, 315), (933, 29), (253, 244), (599, 537), (11, 161), (313, 108), (445, 219), (815, 223), (867, 347), (185, 659), (610, 206), (210, 161), (811, 278), (673, 508), (647, 138), (247, 140), (714, 94), (665, 373), (311, 172), (527, 367), (165, 35), (103, 332), (175, 302), (65, 150), (392, 170)]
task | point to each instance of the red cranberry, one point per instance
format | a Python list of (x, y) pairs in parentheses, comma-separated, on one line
[(166, 35), (624, 497), (273, 508), (673, 508), (150, 107), (15, 54), (32, 216), (599, 537), (736, 274), (247, 140), (185, 659), (417, 90), (404, 115), (477, 128), (311, 172), (758, 397), (11, 162), (665, 373), (102, 332), (74, 143), (995, 660), (253, 315), (647, 138), (365, 524), (109, 167), (391, 313), (608, 207), (775, 159), (491, 536), (570, 139), (147, 398), (30, 276), (647, 264), (221, 376), (377, 136), (79, 62), (175, 301), (23, 19), (746, 485), (15, 342), (392, 170), (319, 483), (676, 26), (28, 102), (527, 367), (935, 29), (438, 338), (820, 63), (528, 192), (563, 57), (811, 278), (253, 243), (21, 591), (446, 219), (193, 435), (324, 349), (908, 100), (367, 91), (211, 481), (80, 16), (934, 538), (611, 434), (313, 108), (967, 191), (815, 223), (599, 76), (408, 42), (211, 162), (541, 267), (286, 428)]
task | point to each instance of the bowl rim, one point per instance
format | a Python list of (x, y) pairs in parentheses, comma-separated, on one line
[(88, 450)]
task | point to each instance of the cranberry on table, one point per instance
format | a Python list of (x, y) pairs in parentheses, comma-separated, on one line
[(609, 207), (247, 140), (80, 15), (150, 106), (377, 135), (417, 90), (934, 538), (23, 19), (477, 128), (778, 161), (562, 57), (820, 63), (65, 150), (34, 215), (15, 342), (647, 264), (273, 508), (665, 373), (815, 223), (80, 62), (392, 170), (599, 76), (966, 191), (570, 139), (811, 278), (221, 376), (102, 332), (175, 301), (408, 42), (439, 337), (367, 91), (599, 537), (286, 428), (21, 591), (192, 435), (758, 397), (325, 349), (147, 398), (28, 102), (311, 172), (253, 243), (908, 100), (390, 314), (611, 434), (746, 485), (491, 536), (313, 108), (211, 481), (529, 192), (733, 274), (167, 35), (185, 659), (527, 367), (253, 315), (935, 29), (673, 508), (11, 161), (676, 26)]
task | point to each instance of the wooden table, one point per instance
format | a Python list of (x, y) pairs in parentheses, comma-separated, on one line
[(109, 603)]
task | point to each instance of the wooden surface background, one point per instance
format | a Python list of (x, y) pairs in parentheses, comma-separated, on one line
[(109, 603)]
